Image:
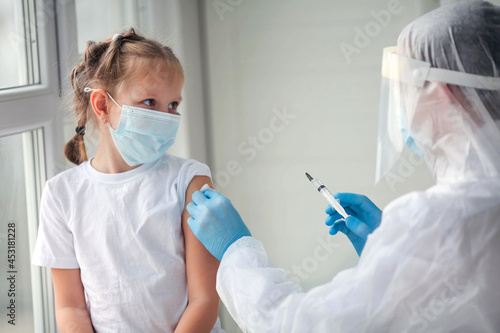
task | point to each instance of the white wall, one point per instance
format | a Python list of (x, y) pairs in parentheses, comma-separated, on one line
[(264, 57)]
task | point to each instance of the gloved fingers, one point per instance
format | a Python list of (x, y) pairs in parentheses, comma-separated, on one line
[(335, 216), (199, 198), (358, 227), (192, 209), (192, 223), (350, 200), (333, 231), (355, 239), (337, 226), (330, 211), (357, 242), (346, 231), (351, 212), (331, 219), (357, 202), (211, 194)]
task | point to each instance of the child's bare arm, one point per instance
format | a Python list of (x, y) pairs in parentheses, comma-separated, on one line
[(203, 301), (71, 309)]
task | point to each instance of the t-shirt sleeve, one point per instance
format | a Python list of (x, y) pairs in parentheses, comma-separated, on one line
[(187, 172), (54, 245)]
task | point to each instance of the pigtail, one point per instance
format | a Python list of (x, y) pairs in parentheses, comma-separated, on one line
[(75, 151), (81, 77)]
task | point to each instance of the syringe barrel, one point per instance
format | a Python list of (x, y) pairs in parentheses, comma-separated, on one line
[(329, 196), (321, 188), (333, 202)]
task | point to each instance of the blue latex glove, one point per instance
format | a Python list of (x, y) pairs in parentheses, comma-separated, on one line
[(215, 222), (365, 218)]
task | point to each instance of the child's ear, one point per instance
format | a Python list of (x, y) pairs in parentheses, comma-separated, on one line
[(98, 100)]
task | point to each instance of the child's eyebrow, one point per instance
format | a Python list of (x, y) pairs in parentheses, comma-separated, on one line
[(147, 92)]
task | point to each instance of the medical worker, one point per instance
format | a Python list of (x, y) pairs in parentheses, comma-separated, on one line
[(433, 264)]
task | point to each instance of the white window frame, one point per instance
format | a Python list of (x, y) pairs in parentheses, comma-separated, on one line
[(32, 110), (29, 107)]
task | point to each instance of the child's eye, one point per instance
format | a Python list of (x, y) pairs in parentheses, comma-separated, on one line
[(149, 102), (173, 105)]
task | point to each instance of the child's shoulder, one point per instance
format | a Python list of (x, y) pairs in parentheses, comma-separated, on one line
[(63, 184), (181, 166), (70, 175), (182, 170)]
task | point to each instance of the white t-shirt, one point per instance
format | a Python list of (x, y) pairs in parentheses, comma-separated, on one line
[(124, 232)]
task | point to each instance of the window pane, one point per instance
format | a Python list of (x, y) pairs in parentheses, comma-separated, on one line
[(19, 51), (18, 220)]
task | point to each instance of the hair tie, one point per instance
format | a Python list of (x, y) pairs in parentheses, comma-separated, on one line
[(116, 36), (87, 89), (80, 130)]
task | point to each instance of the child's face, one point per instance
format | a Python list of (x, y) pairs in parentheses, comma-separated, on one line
[(156, 91)]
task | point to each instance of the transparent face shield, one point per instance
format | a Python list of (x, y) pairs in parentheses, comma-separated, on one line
[(402, 87)]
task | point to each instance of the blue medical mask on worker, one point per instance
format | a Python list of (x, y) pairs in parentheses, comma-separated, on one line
[(143, 135), (405, 135)]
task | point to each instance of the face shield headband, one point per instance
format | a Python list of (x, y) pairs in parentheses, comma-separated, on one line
[(403, 80)]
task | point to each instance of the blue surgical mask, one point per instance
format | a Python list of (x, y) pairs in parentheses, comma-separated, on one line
[(143, 135), (410, 143), (407, 138)]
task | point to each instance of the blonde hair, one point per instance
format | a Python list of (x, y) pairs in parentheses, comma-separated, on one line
[(108, 65)]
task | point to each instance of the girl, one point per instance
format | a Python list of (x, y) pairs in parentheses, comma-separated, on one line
[(114, 229)]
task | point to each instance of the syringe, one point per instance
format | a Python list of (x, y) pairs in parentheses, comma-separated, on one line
[(328, 195)]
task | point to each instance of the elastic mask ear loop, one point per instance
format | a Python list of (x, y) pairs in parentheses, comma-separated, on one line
[(109, 125), (113, 100), (88, 89)]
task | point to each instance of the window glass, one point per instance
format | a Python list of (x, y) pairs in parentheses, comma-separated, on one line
[(19, 51), (18, 219)]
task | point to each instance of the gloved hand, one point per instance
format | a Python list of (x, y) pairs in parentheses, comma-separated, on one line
[(365, 218), (215, 222)]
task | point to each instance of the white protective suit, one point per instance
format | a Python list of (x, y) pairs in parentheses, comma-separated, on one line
[(433, 265)]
